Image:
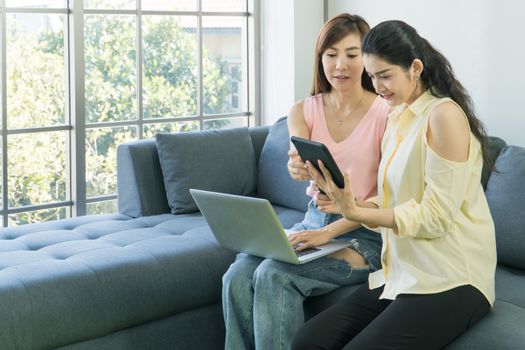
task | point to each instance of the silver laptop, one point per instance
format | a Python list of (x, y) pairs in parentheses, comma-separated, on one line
[(250, 225)]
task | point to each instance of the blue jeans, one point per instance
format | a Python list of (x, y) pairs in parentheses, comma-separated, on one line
[(263, 298)]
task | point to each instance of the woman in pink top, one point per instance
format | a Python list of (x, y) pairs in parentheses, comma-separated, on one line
[(262, 298)]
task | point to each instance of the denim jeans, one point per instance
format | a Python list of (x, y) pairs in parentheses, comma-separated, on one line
[(263, 298)]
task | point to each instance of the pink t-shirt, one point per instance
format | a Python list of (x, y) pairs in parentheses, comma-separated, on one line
[(360, 152)]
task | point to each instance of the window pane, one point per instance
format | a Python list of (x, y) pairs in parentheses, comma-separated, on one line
[(111, 4), (225, 123), (169, 5), (224, 5), (36, 3), (223, 64), (1, 182), (150, 130), (36, 168), (101, 158), (31, 217), (36, 72), (110, 58), (105, 207), (170, 66)]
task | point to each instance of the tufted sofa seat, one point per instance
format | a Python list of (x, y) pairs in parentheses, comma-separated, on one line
[(86, 277)]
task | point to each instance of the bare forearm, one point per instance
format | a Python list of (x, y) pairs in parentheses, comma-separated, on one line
[(340, 227), (366, 204), (373, 217)]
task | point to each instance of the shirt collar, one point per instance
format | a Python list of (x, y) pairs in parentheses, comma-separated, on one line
[(415, 108), (421, 103)]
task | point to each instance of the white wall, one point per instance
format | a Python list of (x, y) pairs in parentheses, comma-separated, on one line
[(483, 39), (289, 30)]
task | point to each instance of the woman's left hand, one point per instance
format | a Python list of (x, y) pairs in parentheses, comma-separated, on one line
[(343, 198), (324, 203)]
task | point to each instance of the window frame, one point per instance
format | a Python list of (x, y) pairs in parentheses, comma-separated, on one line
[(75, 114)]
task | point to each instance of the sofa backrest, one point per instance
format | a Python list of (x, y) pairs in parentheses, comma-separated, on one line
[(494, 147), (273, 180), (505, 192), (141, 190)]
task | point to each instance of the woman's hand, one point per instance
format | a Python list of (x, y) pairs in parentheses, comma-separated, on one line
[(343, 199), (296, 167), (310, 238), (324, 203)]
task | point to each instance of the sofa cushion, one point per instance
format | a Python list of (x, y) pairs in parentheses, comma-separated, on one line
[(214, 160), (505, 195), (273, 180), (66, 283), (502, 328), (494, 147)]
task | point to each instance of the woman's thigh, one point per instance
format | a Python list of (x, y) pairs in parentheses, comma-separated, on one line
[(423, 321), (243, 267), (334, 327), (316, 277)]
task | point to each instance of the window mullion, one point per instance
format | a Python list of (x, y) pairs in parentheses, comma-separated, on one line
[(200, 76), (3, 47), (140, 107), (77, 109)]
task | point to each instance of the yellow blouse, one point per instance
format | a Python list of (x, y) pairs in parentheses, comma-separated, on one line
[(445, 233)]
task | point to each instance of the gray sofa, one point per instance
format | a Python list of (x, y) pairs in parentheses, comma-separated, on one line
[(149, 279)]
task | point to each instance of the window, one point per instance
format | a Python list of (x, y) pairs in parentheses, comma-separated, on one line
[(77, 82)]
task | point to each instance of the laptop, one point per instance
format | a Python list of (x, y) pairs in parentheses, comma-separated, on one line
[(250, 225)]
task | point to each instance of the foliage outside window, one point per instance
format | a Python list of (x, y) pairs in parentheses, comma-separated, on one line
[(186, 83)]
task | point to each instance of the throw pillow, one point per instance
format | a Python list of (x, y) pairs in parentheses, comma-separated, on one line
[(213, 160), (504, 193), (273, 180)]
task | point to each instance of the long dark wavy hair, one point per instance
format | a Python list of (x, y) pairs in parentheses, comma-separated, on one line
[(332, 32), (399, 44)]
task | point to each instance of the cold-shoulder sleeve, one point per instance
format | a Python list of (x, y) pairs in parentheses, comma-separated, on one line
[(445, 187)]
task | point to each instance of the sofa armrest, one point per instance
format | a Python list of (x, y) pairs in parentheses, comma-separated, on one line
[(140, 184)]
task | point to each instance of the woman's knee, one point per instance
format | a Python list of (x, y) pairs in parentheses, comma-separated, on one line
[(269, 271), (241, 271)]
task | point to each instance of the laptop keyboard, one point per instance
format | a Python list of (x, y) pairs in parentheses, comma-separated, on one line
[(306, 251)]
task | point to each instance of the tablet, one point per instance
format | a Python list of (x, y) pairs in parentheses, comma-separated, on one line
[(314, 151)]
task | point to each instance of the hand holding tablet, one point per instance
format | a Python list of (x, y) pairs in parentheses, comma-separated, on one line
[(314, 151)]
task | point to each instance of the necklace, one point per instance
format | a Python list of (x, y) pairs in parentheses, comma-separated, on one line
[(332, 107)]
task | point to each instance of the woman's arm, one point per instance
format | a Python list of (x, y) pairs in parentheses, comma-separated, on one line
[(326, 205), (297, 127), (447, 176), (448, 133), (313, 238)]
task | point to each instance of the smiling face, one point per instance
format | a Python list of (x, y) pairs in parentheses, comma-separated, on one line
[(394, 83), (343, 63)]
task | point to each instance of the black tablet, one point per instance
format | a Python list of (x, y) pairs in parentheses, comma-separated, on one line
[(314, 151)]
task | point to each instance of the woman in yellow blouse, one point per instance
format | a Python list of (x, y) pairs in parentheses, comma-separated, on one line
[(439, 251)]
